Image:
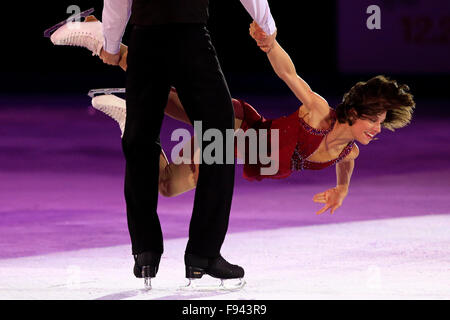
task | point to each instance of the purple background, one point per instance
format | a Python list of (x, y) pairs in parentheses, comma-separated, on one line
[(393, 48)]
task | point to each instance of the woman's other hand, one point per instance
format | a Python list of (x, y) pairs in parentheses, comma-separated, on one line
[(332, 198)]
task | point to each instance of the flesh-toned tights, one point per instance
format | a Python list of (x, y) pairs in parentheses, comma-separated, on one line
[(175, 179)]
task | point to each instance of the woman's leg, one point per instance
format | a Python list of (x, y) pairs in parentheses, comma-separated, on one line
[(175, 179)]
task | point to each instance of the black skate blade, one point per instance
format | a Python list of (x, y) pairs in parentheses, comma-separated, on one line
[(84, 14), (105, 91)]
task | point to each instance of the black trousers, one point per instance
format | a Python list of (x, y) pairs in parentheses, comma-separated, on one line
[(179, 55)]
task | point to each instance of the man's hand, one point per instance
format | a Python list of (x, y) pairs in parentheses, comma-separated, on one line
[(108, 58), (332, 198), (264, 41)]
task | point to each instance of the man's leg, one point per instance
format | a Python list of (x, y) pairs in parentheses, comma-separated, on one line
[(147, 90), (205, 96)]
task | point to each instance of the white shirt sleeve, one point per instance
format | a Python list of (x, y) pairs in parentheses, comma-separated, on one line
[(260, 12), (116, 14)]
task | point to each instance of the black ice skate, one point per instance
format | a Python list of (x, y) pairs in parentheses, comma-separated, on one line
[(146, 266), (230, 275)]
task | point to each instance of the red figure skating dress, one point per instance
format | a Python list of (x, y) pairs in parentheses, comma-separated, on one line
[(297, 141)]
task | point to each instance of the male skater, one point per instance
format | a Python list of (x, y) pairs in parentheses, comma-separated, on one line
[(170, 46)]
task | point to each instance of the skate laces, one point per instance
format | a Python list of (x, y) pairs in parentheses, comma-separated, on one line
[(84, 39), (115, 112)]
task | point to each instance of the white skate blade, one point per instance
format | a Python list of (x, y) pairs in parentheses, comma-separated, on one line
[(84, 14), (203, 285), (92, 93), (112, 106)]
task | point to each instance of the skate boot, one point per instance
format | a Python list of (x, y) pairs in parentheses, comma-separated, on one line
[(230, 275), (146, 266), (111, 105), (88, 34)]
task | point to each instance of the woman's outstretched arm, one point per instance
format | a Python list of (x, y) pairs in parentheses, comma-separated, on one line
[(333, 198), (285, 69)]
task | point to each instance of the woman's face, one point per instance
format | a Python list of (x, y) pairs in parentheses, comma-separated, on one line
[(365, 129)]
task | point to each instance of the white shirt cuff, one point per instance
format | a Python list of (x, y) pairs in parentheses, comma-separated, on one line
[(270, 27), (112, 47)]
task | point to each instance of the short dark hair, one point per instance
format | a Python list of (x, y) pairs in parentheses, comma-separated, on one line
[(372, 98)]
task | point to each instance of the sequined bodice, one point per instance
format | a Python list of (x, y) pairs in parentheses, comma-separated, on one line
[(308, 143), (297, 142)]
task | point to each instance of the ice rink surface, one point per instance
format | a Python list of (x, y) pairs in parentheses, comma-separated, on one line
[(400, 258), (63, 229)]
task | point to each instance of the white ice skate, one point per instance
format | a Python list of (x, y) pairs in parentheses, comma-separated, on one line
[(87, 34), (112, 106)]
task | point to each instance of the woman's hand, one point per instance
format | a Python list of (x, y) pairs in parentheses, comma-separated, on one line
[(332, 198), (263, 40)]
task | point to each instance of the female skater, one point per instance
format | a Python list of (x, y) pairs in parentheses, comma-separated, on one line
[(314, 137)]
